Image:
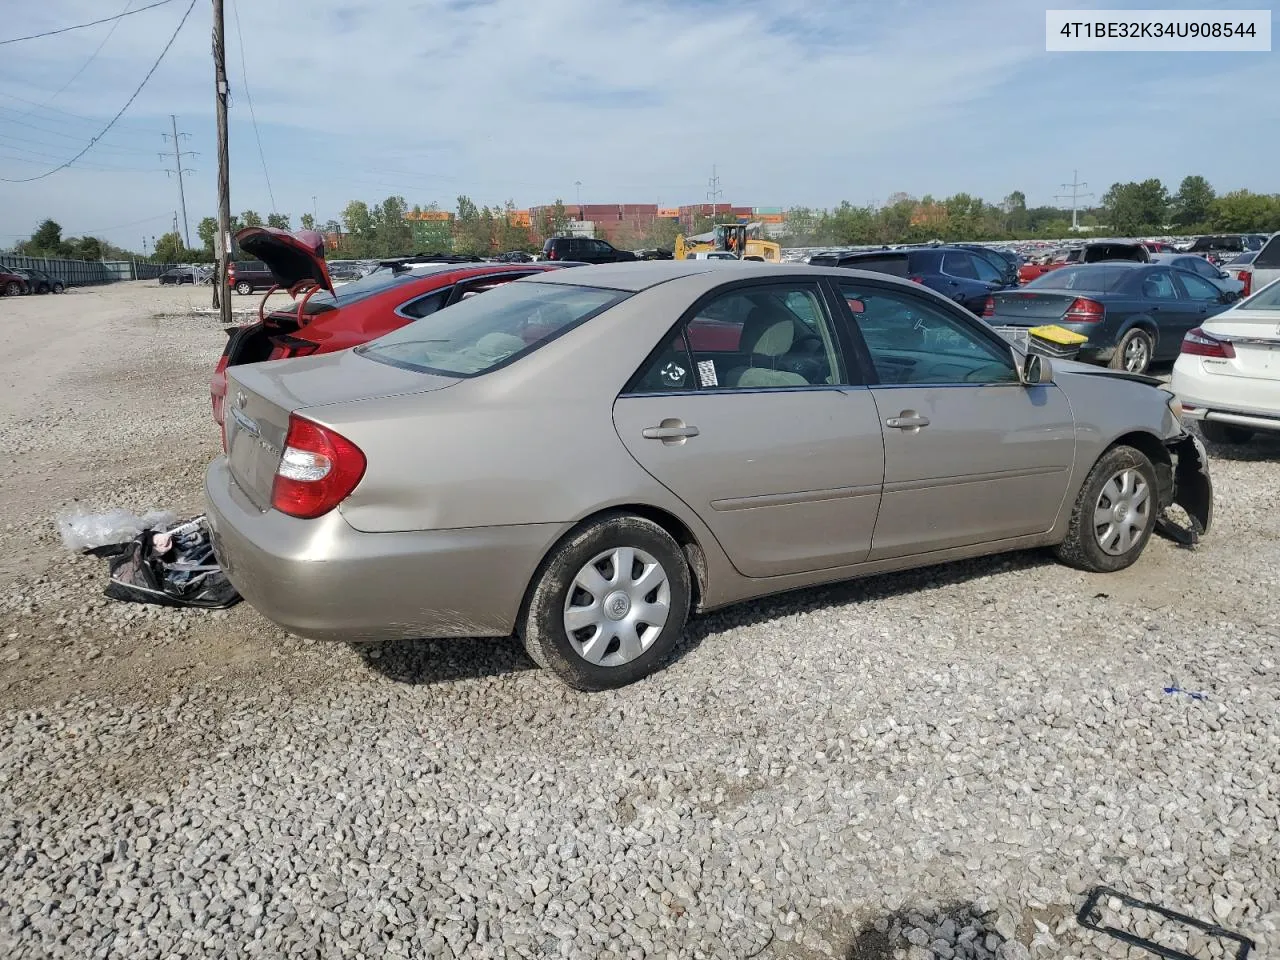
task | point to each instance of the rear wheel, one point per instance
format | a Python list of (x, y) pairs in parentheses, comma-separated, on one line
[(58, 288), (1216, 432), (243, 288), (1133, 352), (12, 289), (1114, 513), (608, 603)]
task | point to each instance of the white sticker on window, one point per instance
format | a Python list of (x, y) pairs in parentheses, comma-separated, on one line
[(707, 373)]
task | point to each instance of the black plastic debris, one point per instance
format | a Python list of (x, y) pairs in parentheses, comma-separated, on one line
[(172, 567), (1166, 921)]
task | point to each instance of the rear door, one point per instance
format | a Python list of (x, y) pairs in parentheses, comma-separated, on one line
[(748, 414), (971, 455)]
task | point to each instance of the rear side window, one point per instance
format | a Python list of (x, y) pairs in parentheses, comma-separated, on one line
[(1158, 285), (959, 265), (894, 266), (483, 333)]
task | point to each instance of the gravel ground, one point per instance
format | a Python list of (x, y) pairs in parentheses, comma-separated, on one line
[(933, 764)]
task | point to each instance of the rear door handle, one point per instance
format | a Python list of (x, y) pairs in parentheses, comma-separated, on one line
[(908, 420), (670, 431)]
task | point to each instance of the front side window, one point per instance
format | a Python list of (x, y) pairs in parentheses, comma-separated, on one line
[(987, 272), (1200, 289), (483, 333), (914, 342), (763, 336)]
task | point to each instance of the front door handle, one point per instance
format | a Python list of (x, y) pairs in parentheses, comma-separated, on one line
[(670, 431), (907, 420)]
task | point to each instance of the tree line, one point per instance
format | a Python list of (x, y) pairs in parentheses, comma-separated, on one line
[(369, 230)]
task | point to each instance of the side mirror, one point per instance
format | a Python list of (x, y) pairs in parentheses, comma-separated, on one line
[(1034, 369)]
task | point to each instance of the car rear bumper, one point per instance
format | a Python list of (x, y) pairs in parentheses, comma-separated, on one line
[(1252, 402), (324, 579)]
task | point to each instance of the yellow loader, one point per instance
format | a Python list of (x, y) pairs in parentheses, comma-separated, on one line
[(739, 241)]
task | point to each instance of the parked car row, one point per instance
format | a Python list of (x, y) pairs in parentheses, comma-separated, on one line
[(15, 281)]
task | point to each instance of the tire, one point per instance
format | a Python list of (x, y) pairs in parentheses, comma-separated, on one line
[(1134, 351), (58, 288), (1216, 432), (1105, 546), (603, 653), (12, 289), (244, 289)]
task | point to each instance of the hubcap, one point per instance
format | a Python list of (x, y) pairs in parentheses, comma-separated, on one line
[(1122, 512), (1135, 355), (617, 606)]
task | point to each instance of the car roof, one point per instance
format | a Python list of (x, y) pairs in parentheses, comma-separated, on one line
[(638, 274)]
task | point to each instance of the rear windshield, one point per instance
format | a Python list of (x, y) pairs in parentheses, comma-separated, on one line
[(1114, 251), (1091, 279), (1268, 298), (491, 330)]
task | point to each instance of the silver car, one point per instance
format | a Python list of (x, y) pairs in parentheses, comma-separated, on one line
[(586, 457)]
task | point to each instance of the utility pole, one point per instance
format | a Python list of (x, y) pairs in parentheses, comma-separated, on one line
[(1073, 196), (578, 185), (178, 154), (223, 302), (713, 191), (315, 213)]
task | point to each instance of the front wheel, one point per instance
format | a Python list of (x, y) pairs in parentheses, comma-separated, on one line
[(1134, 351), (1216, 432), (12, 289), (608, 603), (244, 289), (58, 288), (1114, 513)]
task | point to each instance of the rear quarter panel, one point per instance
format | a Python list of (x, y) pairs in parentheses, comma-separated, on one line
[(532, 443)]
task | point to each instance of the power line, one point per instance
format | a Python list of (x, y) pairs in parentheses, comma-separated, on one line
[(92, 57), (66, 113), (62, 146), (244, 78), (81, 26), (89, 145)]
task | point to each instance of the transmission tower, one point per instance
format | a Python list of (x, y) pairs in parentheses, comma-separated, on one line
[(178, 154), (714, 193), (1074, 196)]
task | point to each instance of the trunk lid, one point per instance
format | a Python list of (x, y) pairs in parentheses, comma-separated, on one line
[(260, 397), (291, 257), (1023, 308), (1255, 336)]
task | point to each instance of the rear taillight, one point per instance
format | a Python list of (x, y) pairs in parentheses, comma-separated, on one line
[(1083, 310), (1245, 277), (218, 389), (916, 279), (231, 273), (318, 470), (989, 307), (552, 255), (1197, 343)]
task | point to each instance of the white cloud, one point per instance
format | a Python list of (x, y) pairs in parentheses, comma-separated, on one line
[(796, 102)]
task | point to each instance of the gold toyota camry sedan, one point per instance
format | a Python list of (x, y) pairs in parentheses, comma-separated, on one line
[(586, 457)]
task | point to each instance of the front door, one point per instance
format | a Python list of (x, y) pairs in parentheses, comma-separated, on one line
[(971, 455), (748, 415)]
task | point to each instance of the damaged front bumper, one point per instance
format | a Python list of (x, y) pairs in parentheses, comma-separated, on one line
[(1185, 482)]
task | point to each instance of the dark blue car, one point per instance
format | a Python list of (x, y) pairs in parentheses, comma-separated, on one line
[(961, 275), (1134, 314)]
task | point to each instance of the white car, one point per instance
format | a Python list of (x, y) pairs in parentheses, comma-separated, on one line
[(1228, 374)]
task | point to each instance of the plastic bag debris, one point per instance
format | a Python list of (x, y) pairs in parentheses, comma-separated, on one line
[(84, 531), (173, 566)]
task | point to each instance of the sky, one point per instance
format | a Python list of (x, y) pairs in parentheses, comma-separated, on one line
[(794, 102)]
